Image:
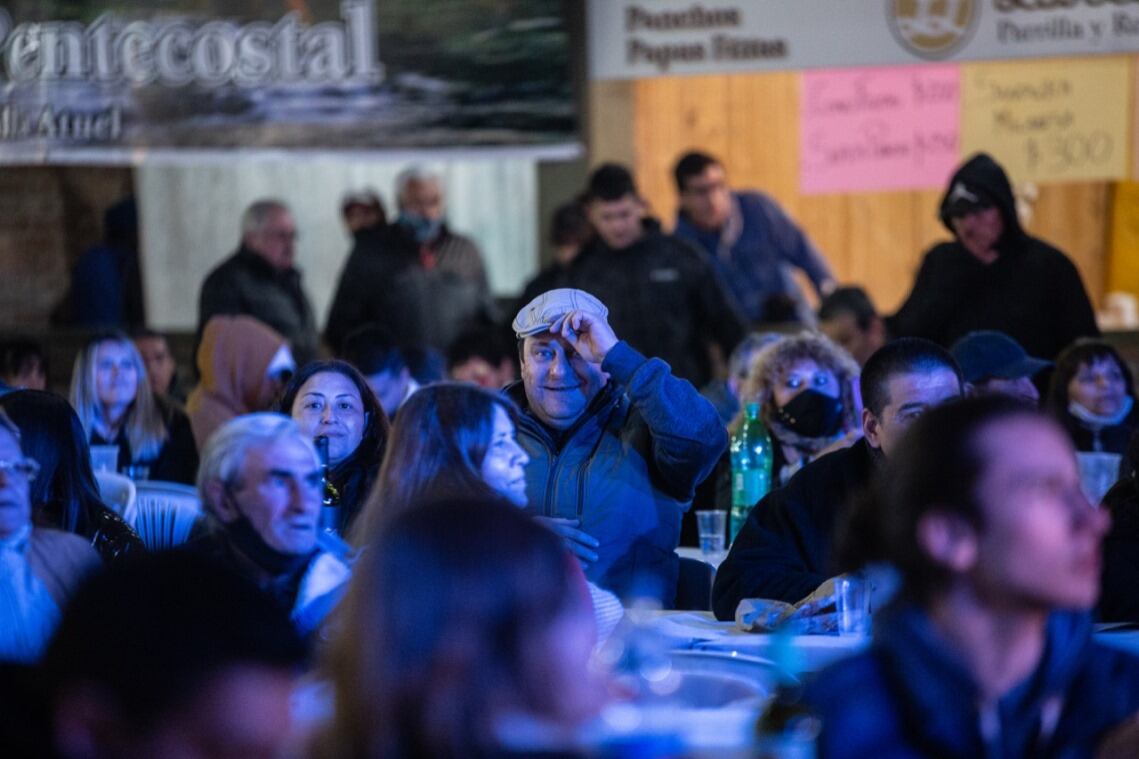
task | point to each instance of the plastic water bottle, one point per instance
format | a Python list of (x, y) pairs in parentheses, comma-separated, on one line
[(751, 466)]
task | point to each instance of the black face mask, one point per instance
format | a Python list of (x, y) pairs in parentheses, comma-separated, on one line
[(811, 414)]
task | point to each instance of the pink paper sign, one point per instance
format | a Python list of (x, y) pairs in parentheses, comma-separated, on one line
[(879, 128)]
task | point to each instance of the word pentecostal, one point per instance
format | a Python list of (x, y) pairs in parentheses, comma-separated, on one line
[(720, 46), (179, 52)]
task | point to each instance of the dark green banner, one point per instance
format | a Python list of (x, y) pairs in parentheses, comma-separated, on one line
[(124, 81)]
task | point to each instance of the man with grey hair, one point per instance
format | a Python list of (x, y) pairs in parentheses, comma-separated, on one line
[(39, 568), (617, 444), (261, 485), (260, 279), (414, 277)]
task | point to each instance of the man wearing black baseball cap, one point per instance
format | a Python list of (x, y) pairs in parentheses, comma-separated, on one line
[(993, 275), (994, 363)]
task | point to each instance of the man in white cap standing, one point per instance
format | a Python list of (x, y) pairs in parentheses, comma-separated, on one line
[(617, 444)]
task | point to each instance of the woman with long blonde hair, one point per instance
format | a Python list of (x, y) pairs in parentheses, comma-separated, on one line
[(111, 395)]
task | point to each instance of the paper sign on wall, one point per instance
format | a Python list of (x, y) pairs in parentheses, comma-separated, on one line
[(878, 128), (1049, 121)]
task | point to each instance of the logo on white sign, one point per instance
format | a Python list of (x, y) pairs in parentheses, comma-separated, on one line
[(932, 28)]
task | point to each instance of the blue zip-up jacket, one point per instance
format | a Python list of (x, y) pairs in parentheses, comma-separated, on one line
[(627, 469), (909, 695), (755, 253)]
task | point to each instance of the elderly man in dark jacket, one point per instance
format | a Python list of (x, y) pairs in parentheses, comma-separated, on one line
[(784, 550), (617, 444), (259, 280)]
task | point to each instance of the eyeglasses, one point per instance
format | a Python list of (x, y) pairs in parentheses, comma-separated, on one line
[(26, 468)]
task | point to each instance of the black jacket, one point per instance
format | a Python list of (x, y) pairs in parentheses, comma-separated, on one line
[(383, 282), (1119, 587), (1032, 291), (663, 298), (246, 284), (783, 551), (177, 461)]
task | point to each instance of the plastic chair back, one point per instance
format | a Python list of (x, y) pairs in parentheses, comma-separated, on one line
[(118, 492), (165, 513)]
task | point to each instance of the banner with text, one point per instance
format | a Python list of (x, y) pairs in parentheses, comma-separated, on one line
[(93, 80), (878, 128), (1050, 121), (631, 39)]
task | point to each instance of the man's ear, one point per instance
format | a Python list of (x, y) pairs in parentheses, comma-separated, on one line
[(870, 429), (221, 502), (949, 539)]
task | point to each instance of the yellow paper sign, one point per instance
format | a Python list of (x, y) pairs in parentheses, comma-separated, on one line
[(1049, 121)]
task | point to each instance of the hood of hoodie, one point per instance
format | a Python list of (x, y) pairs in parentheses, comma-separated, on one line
[(234, 357), (984, 178)]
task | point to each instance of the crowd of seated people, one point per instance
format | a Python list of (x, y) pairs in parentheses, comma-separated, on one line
[(440, 532)]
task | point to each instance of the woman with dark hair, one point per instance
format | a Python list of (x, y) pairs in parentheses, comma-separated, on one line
[(111, 394), (456, 440), (64, 494), (331, 399), (443, 439), (466, 632), (1093, 397)]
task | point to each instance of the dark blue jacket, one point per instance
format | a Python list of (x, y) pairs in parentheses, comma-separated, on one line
[(909, 695), (627, 469), (756, 252)]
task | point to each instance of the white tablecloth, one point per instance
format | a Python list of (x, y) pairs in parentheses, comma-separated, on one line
[(699, 630)]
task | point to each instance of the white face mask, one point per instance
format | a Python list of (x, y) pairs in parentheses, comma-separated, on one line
[(1099, 420)]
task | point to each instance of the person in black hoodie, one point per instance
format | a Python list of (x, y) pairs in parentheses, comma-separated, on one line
[(665, 299), (993, 275), (784, 550)]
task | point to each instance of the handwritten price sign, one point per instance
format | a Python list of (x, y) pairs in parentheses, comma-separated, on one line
[(878, 128), (1050, 121)]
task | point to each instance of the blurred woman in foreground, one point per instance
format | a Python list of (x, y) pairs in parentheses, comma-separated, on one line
[(466, 632)]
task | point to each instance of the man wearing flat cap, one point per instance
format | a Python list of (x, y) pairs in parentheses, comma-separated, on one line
[(992, 363), (617, 444), (993, 275)]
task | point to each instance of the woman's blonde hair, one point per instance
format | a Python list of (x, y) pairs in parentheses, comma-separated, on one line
[(772, 363), (145, 428)]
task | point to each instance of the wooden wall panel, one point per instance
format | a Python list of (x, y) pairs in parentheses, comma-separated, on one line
[(1076, 219), (751, 121)]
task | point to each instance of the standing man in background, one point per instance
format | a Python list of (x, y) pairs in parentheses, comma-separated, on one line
[(748, 238), (665, 299), (260, 280), (415, 277)]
